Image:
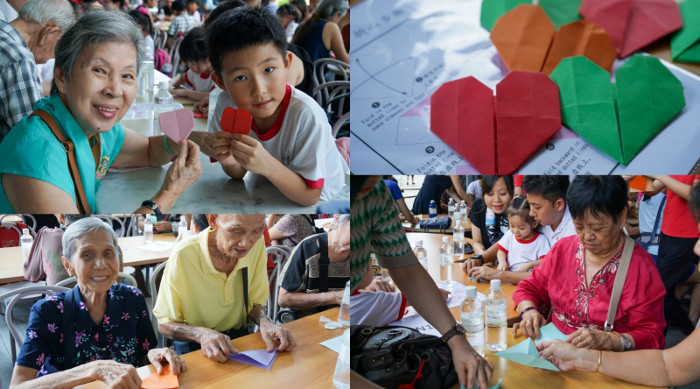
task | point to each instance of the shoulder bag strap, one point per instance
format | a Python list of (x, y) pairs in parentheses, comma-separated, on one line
[(244, 272), (80, 198), (619, 283), (658, 219), (68, 331), (323, 263)]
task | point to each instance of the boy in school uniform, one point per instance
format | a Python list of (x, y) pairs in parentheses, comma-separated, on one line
[(291, 142), (193, 51)]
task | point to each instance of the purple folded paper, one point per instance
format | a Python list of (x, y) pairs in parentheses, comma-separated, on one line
[(257, 358)]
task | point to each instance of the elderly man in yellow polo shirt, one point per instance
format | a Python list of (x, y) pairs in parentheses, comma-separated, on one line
[(201, 297)]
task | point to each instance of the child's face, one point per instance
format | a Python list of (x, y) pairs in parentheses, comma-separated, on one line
[(192, 7), (498, 198), (200, 67), (520, 227), (255, 78)]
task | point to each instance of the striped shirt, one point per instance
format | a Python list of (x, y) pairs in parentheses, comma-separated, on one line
[(20, 86), (376, 228), (181, 25)]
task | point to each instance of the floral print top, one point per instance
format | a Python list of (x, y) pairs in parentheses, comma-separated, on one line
[(125, 334)]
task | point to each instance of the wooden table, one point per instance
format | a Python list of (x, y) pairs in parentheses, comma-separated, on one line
[(432, 243), (309, 365), (12, 266)]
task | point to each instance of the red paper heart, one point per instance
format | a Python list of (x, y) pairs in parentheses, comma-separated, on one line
[(496, 135), (236, 121)]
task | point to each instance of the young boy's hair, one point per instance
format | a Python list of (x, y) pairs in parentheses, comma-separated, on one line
[(220, 10), (194, 45), (178, 6), (242, 28), (551, 188), (520, 207)]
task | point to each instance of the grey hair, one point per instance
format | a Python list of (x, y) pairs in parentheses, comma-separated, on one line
[(59, 12), (328, 8), (81, 227), (95, 28)]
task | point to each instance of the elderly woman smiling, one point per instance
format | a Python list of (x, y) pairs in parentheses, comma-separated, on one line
[(577, 275), (101, 328), (97, 61)]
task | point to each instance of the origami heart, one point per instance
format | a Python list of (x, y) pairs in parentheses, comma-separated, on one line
[(526, 40), (166, 380), (236, 121), (177, 125), (685, 44), (560, 12), (633, 24), (641, 184), (496, 135), (619, 120)]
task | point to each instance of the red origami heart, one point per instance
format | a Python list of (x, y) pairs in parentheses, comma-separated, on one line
[(496, 135)]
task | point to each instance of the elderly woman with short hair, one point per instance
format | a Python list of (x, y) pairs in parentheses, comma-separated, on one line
[(101, 328), (576, 277), (97, 61)]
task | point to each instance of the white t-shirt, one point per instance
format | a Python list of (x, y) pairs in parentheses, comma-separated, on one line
[(376, 308), (290, 30), (303, 141), (474, 188), (564, 229), (199, 82), (520, 252)]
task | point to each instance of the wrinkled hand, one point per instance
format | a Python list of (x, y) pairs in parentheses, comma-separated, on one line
[(378, 285), (251, 154), (205, 141), (117, 375), (276, 336), (588, 338), (185, 170), (223, 150), (530, 324), (563, 355), (216, 346), (471, 367), (485, 272), (469, 264), (158, 357), (202, 106)]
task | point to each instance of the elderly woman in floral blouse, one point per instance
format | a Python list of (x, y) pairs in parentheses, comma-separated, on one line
[(108, 330), (577, 275)]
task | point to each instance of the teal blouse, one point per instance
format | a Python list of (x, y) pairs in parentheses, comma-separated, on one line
[(30, 149)]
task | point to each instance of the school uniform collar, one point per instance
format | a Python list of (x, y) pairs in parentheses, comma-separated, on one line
[(269, 134)]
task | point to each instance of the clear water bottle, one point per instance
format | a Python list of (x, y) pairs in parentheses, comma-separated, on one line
[(463, 210), (432, 209), (446, 263), (496, 323), (344, 314), (26, 241), (421, 254), (148, 229), (162, 102), (472, 315), (147, 77), (182, 228), (458, 236), (451, 208), (341, 377)]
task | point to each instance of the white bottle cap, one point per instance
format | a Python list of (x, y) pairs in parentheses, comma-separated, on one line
[(25, 231), (495, 285), (471, 291), (163, 85), (445, 239), (419, 243)]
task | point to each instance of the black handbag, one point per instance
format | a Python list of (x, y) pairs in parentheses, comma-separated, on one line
[(400, 357), (441, 223)]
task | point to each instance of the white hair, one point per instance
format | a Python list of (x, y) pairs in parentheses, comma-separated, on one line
[(59, 12)]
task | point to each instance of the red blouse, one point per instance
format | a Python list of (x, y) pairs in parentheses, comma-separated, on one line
[(560, 281)]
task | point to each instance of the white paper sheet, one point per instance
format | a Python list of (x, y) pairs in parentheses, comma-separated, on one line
[(333, 343), (402, 51)]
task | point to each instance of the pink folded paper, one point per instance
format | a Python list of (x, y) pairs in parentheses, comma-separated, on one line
[(177, 125), (257, 358)]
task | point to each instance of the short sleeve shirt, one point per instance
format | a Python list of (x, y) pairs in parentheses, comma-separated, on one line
[(302, 273), (199, 82), (376, 228), (181, 25), (564, 229), (678, 221), (125, 333), (394, 189), (376, 308), (521, 252)]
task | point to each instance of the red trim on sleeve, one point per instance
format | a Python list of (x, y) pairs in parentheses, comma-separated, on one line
[(187, 80), (269, 134), (402, 310), (204, 76), (314, 184), (542, 256), (502, 248), (355, 293), (527, 241)]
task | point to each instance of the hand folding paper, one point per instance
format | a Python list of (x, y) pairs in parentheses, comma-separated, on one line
[(236, 121), (166, 380), (496, 135), (257, 358)]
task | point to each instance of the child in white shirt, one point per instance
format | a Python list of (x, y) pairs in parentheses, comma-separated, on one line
[(522, 247)]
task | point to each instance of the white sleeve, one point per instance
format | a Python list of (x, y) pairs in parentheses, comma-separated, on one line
[(471, 188), (223, 101), (543, 246), (506, 241), (375, 308), (314, 147)]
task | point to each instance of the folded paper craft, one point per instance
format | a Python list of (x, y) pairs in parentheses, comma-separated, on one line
[(641, 184), (633, 24), (257, 358), (619, 120), (560, 12), (526, 40), (165, 380), (177, 124), (496, 135), (685, 44), (236, 121), (497, 386), (525, 353), (550, 332)]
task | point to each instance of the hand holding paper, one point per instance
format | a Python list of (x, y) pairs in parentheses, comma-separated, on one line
[(177, 125), (257, 358), (526, 353), (166, 380)]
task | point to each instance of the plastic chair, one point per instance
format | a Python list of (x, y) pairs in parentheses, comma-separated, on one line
[(111, 220), (154, 284), (333, 97), (73, 280), (280, 254), (16, 338), (160, 39), (325, 66), (175, 56)]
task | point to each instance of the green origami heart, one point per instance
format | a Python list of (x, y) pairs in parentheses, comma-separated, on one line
[(560, 12), (621, 118), (685, 44)]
